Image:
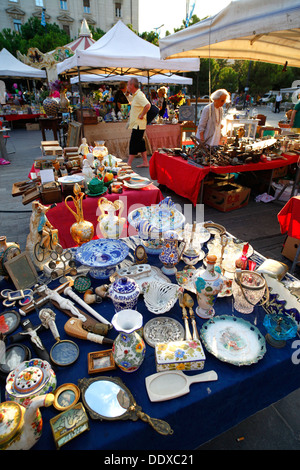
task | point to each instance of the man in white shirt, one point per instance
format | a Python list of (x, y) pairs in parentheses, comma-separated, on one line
[(137, 122), (277, 102)]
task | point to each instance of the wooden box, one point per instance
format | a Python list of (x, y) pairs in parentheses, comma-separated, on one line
[(290, 248), (51, 193)]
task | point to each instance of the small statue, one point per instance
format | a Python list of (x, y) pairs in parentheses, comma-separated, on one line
[(43, 237), (87, 171), (83, 148)]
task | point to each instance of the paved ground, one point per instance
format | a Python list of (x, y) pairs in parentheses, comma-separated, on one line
[(276, 427)]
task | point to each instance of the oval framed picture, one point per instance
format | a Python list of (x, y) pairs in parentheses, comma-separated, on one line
[(66, 396)]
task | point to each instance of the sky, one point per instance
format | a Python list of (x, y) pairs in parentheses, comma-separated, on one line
[(170, 13)]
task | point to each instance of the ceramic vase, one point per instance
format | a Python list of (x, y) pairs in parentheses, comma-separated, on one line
[(171, 253), (51, 107), (124, 293), (110, 224), (208, 286), (64, 102), (7, 251), (129, 348), (82, 231)]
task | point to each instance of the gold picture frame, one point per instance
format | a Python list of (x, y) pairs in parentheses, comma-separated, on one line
[(66, 396), (22, 271), (100, 361)]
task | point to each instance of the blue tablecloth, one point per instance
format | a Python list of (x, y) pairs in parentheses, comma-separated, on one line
[(208, 410)]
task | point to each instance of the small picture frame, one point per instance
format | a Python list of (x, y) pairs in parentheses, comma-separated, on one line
[(22, 271), (140, 255), (65, 396), (15, 295), (100, 361)]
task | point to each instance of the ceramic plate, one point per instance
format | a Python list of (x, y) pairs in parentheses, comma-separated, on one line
[(71, 179), (102, 253), (234, 340), (136, 185), (214, 228), (163, 330), (201, 234)]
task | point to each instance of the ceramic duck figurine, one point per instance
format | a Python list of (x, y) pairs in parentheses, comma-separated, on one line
[(20, 427), (111, 225)]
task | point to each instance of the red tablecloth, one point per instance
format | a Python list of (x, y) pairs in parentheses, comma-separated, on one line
[(62, 219), (185, 179), (16, 117), (289, 218)]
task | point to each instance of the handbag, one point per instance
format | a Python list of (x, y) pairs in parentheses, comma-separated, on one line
[(152, 113)]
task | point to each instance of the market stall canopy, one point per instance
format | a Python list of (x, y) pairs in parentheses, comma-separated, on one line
[(260, 30), (84, 40), (12, 67), (155, 79), (121, 52)]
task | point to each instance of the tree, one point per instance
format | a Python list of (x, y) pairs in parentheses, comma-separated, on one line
[(33, 34)]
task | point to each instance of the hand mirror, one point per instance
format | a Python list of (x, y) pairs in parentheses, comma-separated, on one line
[(174, 383), (108, 398)]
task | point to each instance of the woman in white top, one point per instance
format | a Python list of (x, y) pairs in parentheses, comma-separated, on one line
[(209, 128)]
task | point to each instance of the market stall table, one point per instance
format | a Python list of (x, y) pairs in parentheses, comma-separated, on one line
[(206, 411), (186, 179), (18, 117), (62, 219), (289, 221)]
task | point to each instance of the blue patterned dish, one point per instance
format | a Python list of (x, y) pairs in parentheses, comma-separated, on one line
[(102, 256)]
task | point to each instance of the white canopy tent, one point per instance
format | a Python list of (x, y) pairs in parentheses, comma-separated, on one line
[(10, 67), (155, 79), (121, 52), (260, 30)]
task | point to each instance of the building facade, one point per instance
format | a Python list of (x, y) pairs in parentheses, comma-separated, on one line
[(68, 14)]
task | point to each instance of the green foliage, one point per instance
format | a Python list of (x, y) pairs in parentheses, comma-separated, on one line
[(33, 34)]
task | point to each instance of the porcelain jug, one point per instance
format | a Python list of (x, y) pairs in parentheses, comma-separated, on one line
[(129, 348), (208, 286), (82, 231), (171, 252), (20, 427), (110, 224)]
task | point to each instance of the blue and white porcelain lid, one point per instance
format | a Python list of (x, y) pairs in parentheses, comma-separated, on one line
[(125, 285)]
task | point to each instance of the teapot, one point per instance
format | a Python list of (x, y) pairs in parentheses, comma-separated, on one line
[(20, 427), (171, 252)]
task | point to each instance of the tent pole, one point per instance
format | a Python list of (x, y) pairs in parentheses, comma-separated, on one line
[(197, 93), (80, 97)]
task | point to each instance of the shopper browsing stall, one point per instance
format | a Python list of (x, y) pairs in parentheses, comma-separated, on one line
[(137, 122), (210, 124)]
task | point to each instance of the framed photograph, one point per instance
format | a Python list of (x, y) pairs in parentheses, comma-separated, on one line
[(22, 271), (66, 396), (100, 361)]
